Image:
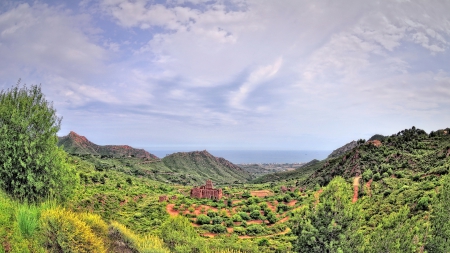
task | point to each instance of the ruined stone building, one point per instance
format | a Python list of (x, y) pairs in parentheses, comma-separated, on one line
[(206, 191)]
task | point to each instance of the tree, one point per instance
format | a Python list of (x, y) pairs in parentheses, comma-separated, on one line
[(32, 167)]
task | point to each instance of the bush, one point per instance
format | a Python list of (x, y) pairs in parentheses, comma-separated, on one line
[(32, 166), (255, 229), (244, 215), (367, 175), (63, 232), (218, 228), (239, 230), (255, 214), (236, 218), (203, 219), (217, 220), (212, 214)]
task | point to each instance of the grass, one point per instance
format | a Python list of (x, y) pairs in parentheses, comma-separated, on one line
[(28, 219)]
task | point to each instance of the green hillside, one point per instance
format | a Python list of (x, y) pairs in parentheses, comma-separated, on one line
[(188, 168), (200, 165)]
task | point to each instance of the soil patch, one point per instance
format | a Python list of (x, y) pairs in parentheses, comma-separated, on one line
[(261, 193), (292, 203), (169, 209)]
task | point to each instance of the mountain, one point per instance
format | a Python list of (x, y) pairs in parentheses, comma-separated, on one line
[(343, 149), (410, 153), (202, 165), (188, 168), (77, 144)]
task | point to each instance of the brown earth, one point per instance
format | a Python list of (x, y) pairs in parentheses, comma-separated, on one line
[(261, 193), (292, 203)]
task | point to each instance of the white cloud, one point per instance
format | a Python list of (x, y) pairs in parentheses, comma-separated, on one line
[(237, 98), (47, 40)]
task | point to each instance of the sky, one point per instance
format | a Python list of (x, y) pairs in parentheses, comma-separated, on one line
[(233, 75)]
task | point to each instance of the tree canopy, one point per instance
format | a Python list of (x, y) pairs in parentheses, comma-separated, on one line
[(32, 167)]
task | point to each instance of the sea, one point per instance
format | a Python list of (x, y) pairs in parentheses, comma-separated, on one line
[(258, 156)]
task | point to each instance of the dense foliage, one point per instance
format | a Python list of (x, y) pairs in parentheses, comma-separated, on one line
[(32, 167)]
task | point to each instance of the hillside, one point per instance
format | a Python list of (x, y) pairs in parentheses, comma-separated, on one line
[(409, 152), (202, 165), (187, 168), (343, 149), (77, 144)]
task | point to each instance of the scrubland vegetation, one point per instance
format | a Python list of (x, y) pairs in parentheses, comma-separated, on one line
[(389, 197)]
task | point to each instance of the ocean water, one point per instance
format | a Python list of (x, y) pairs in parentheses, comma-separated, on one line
[(258, 156)]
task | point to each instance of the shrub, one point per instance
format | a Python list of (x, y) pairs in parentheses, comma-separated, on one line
[(244, 215), (212, 214), (63, 232), (236, 218), (203, 219), (367, 175), (239, 230), (423, 203), (217, 220), (255, 229), (255, 214), (32, 166)]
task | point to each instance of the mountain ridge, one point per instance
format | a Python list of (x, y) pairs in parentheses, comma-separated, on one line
[(77, 144)]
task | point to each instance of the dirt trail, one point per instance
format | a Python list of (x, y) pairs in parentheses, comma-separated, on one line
[(355, 189)]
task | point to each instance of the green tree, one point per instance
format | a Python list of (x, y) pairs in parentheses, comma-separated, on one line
[(32, 167)]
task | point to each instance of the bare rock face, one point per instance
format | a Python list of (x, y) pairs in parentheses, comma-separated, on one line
[(76, 144)]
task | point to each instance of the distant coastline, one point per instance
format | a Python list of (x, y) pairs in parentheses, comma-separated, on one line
[(256, 156)]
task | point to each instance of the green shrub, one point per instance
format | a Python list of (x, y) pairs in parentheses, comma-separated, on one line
[(217, 220), (244, 216), (32, 166), (203, 219), (255, 214), (239, 230), (236, 218)]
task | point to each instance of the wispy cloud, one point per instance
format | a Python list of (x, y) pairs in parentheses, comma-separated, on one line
[(234, 71)]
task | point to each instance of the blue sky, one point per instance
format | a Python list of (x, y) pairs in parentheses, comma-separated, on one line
[(257, 74)]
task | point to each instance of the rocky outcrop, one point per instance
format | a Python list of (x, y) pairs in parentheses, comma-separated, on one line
[(74, 143)]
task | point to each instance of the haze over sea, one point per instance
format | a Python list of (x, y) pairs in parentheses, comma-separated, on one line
[(257, 156)]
